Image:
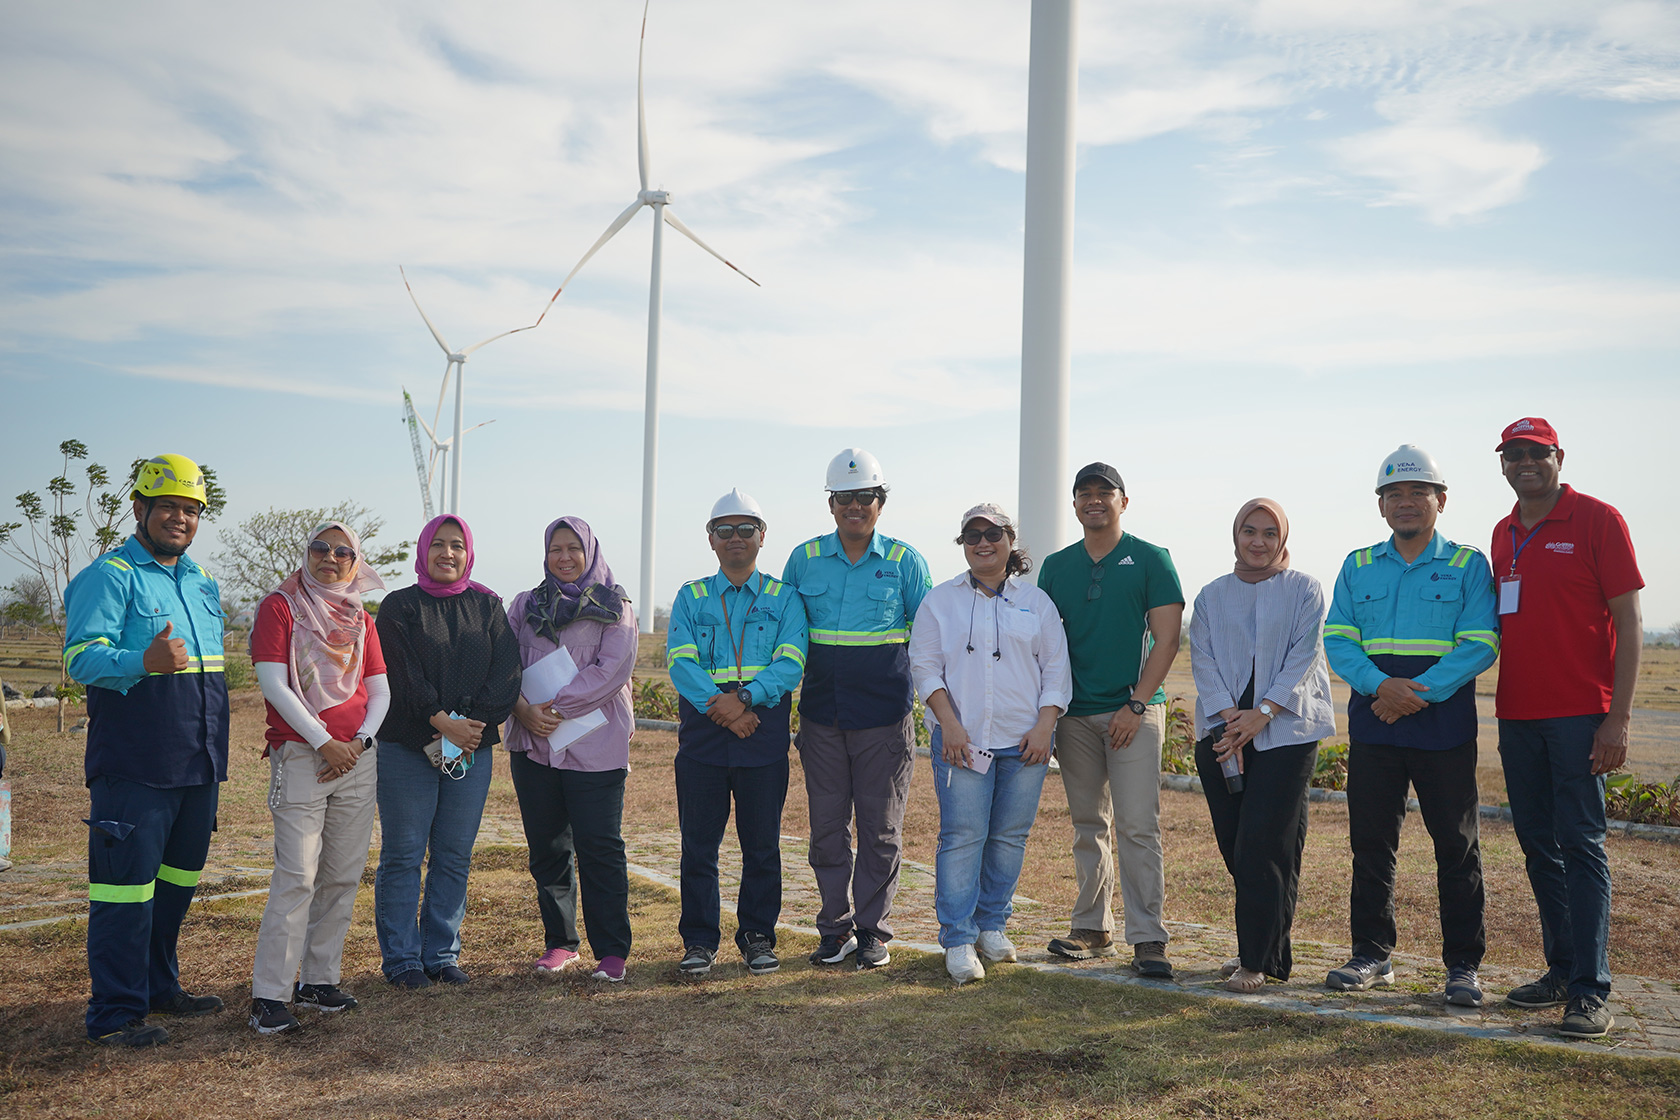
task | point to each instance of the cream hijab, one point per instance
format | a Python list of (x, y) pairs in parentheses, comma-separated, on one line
[(329, 627)]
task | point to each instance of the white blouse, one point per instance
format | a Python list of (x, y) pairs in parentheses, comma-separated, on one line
[(996, 698), (1273, 630)]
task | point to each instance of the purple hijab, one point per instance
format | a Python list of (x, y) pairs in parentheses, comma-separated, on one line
[(553, 605), (423, 547)]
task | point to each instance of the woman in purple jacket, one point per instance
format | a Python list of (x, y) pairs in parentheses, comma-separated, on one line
[(572, 797)]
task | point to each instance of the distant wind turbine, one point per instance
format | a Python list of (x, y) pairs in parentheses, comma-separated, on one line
[(426, 463), (659, 202), (456, 360)]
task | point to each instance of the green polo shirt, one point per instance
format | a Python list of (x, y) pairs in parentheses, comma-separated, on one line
[(1108, 637)]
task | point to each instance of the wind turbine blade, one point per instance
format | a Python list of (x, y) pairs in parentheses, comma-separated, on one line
[(504, 334), (675, 223), (618, 224), (422, 311), (443, 390), (641, 110), (476, 427)]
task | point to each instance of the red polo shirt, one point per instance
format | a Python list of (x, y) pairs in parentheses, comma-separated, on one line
[(1557, 654), (271, 640)]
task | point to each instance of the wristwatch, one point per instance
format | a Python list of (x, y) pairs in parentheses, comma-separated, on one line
[(746, 697), (369, 742), (1267, 710), (1138, 707)]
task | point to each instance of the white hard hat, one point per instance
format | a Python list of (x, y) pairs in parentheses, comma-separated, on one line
[(1410, 463), (736, 504), (855, 469)]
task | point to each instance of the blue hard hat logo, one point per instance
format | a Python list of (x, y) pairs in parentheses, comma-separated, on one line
[(1389, 470), (852, 465)]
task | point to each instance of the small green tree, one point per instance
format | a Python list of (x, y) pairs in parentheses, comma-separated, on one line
[(266, 547), (26, 604)]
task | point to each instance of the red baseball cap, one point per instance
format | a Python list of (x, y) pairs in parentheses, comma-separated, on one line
[(1530, 428)]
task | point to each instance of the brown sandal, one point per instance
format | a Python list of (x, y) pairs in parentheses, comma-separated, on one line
[(1244, 982)]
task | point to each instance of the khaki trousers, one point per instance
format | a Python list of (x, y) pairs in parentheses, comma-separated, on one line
[(321, 835), (1118, 792)]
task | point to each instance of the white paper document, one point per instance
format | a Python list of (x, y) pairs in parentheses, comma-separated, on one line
[(542, 682)]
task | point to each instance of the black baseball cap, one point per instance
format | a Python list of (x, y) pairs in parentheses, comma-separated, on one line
[(1099, 470)]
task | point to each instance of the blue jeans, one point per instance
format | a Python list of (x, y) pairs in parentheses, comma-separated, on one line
[(422, 808), (1557, 809), (984, 820)]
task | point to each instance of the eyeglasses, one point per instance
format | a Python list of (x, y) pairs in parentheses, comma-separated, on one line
[(1095, 590), (723, 532), (847, 497), (973, 536), (1517, 452), (319, 549)]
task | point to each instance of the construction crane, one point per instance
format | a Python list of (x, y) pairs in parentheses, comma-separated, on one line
[(420, 464)]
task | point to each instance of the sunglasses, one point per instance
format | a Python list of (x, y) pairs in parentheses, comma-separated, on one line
[(974, 536), (723, 532), (847, 497), (341, 552), (1517, 452), (1095, 590)]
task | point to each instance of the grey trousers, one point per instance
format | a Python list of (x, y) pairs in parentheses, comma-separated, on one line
[(1115, 793), (321, 835), (866, 771)]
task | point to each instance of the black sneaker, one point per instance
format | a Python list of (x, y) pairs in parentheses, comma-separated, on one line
[(187, 1007), (1359, 974), (1544, 992), (1587, 1017), (871, 951), (324, 997), (136, 1033), (834, 949), (1463, 989), (270, 1016), (449, 974), (411, 978), (759, 953), (697, 961)]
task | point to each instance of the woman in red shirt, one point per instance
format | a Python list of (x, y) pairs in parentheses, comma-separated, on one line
[(322, 675)]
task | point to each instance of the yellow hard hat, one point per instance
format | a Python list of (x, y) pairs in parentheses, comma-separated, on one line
[(171, 475)]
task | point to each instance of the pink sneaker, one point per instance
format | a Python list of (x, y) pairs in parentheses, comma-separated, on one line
[(611, 969), (556, 960)]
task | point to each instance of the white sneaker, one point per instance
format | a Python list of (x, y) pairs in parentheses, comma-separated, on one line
[(994, 946), (963, 965)]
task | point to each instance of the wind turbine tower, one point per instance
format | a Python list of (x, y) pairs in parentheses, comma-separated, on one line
[(660, 203), (456, 360)]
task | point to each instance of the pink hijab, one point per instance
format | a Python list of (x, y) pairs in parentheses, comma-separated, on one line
[(1247, 572), (423, 548), (329, 627)]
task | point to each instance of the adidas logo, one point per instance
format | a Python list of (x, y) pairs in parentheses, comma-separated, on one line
[(1123, 560)]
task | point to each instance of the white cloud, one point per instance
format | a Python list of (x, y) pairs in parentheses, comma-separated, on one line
[(1450, 171)]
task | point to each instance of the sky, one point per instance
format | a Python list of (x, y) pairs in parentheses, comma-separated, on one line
[(1306, 232)]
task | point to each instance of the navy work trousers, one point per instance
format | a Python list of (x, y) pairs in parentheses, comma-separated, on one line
[(703, 796), (146, 848)]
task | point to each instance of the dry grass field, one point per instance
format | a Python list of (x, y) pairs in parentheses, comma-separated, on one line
[(803, 1042)]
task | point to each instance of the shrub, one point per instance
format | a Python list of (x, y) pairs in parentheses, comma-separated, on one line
[(1331, 769), (654, 699), (1178, 743), (238, 672), (1626, 798)]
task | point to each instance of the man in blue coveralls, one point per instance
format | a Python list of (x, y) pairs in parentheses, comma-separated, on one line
[(1412, 623), (736, 649), (856, 740), (143, 632)]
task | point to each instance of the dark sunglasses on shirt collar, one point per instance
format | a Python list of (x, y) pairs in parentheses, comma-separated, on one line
[(319, 549)]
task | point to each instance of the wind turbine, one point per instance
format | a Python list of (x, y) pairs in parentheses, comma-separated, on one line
[(659, 202), (456, 360), (425, 463)]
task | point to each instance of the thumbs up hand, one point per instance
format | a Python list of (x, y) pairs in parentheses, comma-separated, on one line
[(166, 654)]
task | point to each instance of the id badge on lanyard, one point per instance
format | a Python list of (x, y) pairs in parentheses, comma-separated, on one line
[(1510, 585)]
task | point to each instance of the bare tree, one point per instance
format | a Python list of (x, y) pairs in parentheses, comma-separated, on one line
[(26, 603), (1674, 633), (267, 547)]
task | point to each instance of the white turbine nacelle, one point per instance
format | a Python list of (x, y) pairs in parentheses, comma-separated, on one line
[(655, 198)]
